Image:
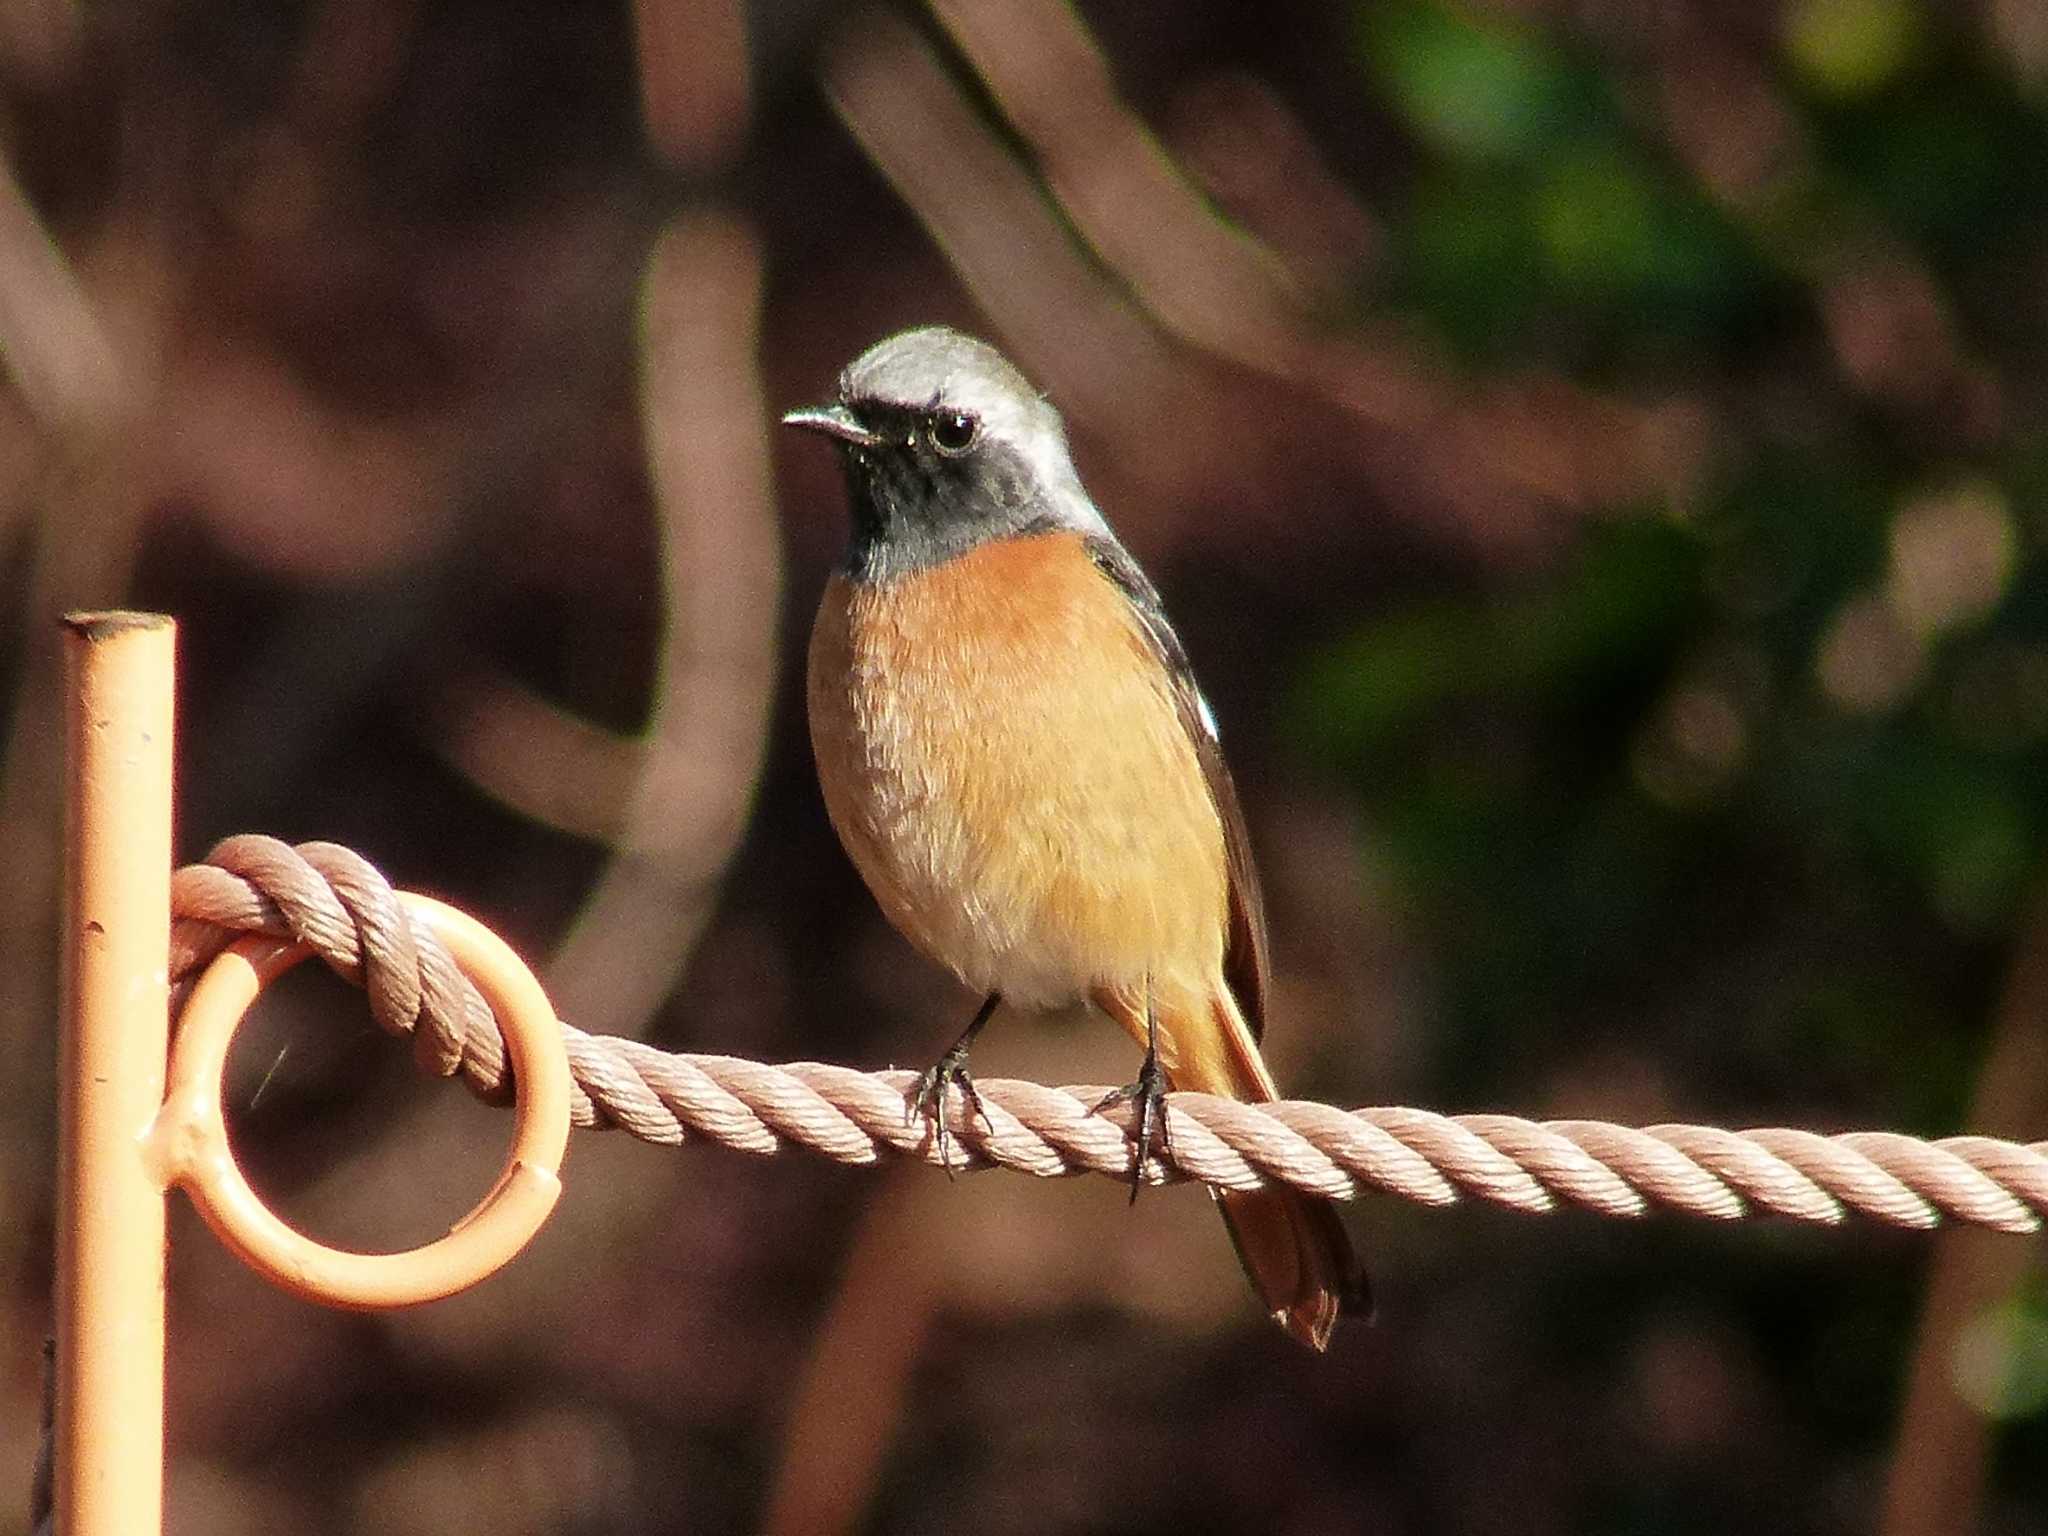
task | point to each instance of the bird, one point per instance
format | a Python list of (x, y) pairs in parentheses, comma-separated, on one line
[(1012, 748)]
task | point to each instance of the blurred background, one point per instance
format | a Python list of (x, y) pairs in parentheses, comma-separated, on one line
[(1594, 454)]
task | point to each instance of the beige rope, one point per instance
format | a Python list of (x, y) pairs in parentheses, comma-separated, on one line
[(335, 902)]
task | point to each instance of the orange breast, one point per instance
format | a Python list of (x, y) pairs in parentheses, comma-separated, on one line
[(1001, 755)]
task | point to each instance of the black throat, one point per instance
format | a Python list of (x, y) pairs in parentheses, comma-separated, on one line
[(914, 508)]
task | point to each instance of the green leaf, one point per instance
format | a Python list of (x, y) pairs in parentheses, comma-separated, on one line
[(1468, 84)]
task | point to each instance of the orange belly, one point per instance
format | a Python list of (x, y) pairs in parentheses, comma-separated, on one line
[(1000, 752)]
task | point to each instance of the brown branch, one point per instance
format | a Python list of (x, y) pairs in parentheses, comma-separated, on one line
[(1936, 1481), (721, 575)]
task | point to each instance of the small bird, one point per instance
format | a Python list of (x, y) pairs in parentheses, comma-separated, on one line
[(1015, 754)]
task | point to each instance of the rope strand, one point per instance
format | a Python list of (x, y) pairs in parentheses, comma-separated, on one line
[(340, 906)]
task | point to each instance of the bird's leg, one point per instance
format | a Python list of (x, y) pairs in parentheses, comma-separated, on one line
[(928, 1097), (1149, 1093)]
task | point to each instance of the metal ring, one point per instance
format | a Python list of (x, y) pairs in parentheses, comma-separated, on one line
[(190, 1140)]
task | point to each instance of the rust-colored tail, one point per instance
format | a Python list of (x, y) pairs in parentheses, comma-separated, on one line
[(1298, 1257), (1293, 1246)]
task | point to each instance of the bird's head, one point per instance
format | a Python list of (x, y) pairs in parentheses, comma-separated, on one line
[(945, 447)]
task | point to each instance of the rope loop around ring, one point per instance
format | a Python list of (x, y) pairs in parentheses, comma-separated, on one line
[(189, 1140), (335, 901)]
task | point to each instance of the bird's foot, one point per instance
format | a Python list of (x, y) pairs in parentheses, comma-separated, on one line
[(1149, 1094), (928, 1098)]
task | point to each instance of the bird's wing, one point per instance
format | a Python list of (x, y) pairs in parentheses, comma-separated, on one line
[(1245, 966)]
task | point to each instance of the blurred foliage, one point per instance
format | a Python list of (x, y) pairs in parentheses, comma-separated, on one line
[(1726, 720), (1540, 222)]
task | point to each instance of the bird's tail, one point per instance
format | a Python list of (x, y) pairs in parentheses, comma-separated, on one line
[(1298, 1258), (1293, 1247)]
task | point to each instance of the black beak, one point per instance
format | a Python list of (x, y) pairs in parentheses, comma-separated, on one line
[(834, 421)]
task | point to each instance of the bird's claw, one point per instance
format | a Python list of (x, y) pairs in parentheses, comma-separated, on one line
[(927, 1097), (1149, 1094)]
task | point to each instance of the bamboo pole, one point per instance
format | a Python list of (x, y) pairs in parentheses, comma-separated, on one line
[(119, 676)]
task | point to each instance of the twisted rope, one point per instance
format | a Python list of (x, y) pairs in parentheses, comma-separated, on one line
[(336, 903)]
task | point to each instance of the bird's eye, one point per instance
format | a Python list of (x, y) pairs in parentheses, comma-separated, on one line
[(954, 431)]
